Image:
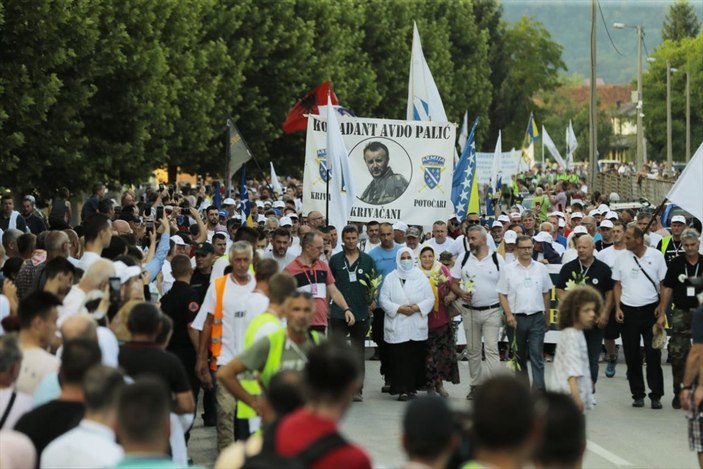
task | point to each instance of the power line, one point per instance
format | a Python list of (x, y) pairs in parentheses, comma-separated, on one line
[(605, 25)]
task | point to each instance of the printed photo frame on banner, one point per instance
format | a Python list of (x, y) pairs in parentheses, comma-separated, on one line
[(389, 170)]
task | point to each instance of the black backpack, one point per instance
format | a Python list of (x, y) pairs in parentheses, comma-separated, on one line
[(494, 256), (268, 458)]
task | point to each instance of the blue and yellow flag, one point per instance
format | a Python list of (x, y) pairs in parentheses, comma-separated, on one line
[(465, 183), (528, 146)]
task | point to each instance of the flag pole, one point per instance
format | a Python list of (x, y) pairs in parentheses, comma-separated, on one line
[(655, 215), (542, 147)]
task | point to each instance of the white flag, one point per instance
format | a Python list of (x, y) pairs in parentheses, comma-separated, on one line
[(571, 146), (275, 184), (341, 193), (424, 102), (496, 168), (464, 133), (549, 143), (687, 192)]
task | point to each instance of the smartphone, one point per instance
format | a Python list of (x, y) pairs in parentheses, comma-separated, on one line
[(159, 213), (115, 290)]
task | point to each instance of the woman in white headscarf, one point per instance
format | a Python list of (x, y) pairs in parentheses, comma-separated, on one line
[(406, 298)]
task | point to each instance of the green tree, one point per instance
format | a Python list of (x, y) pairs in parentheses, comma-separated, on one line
[(680, 22), (687, 56)]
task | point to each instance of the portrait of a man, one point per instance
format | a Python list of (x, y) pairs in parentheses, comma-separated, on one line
[(386, 185)]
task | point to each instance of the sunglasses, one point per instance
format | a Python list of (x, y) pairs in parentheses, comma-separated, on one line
[(304, 294)]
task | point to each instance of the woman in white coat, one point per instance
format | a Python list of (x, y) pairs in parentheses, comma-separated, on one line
[(406, 298)]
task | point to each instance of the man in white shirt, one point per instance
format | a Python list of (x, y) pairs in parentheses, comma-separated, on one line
[(222, 322), (373, 230), (642, 221), (13, 404), (92, 442), (440, 241), (638, 274), (97, 229), (474, 277), (279, 249), (523, 290)]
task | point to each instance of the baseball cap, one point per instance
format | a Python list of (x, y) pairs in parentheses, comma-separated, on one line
[(222, 213), (542, 237), (278, 204), (606, 224), (125, 272), (515, 216), (562, 223), (261, 219), (678, 219), (259, 204), (399, 225), (504, 218), (580, 230), (510, 237), (412, 232), (602, 208), (204, 248), (30, 198), (577, 202), (577, 215), (557, 213), (496, 224), (614, 197), (178, 240), (285, 221), (611, 216), (594, 212), (228, 201)]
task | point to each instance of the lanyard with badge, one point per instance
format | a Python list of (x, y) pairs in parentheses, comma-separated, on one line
[(312, 282), (691, 291), (350, 270)]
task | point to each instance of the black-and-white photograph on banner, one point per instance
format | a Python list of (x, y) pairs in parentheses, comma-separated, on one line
[(400, 170)]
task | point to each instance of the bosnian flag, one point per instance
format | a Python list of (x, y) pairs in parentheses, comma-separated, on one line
[(424, 102), (341, 195)]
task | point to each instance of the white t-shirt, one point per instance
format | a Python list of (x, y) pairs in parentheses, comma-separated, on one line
[(524, 286), (218, 268), (22, 405), (88, 259), (72, 304), (168, 279), (609, 255), (484, 274), (637, 290), (654, 239), (447, 245), (235, 315), (4, 310), (571, 360), (88, 445), (36, 363), (369, 246)]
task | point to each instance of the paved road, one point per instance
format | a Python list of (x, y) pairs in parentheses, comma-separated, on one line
[(618, 435)]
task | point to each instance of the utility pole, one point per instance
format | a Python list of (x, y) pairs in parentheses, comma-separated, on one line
[(688, 115), (592, 124)]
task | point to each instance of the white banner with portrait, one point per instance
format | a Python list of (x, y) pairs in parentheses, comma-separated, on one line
[(401, 170)]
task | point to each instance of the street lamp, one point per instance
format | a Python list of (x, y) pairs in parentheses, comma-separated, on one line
[(669, 153), (640, 126)]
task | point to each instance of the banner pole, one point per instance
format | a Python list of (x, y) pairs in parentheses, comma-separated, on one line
[(327, 199), (655, 214)]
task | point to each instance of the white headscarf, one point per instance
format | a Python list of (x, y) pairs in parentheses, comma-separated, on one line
[(410, 273)]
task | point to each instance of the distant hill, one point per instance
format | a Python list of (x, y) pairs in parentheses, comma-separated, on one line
[(569, 23)]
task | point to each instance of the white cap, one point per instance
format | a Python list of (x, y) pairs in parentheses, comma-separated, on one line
[(125, 272), (279, 204), (577, 201), (594, 212), (267, 202), (261, 219), (602, 208), (557, 213), (236, 216), (577, 215), (259, 204), (496, 224), (178, 240), (611, 216), (562, 223), (614, 197), (510, 237), (400, 226), (514, 215), (228, 201), (504, 218), (453, 216), (678, 219), (580, 230), (285, 221), (543, 237), (606, 224)]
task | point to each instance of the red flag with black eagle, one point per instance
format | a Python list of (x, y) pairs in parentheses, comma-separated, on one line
[(297, 120)]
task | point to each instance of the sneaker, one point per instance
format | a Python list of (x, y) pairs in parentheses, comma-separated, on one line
[(639, 403), (656, 404), (610, 369), (358, 397), (676, 403), (403, 397)]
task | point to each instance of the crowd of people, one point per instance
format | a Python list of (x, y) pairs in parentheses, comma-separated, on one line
[(114, 325)]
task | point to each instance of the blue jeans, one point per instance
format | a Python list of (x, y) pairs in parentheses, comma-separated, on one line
[(530, 341), (594, 343)]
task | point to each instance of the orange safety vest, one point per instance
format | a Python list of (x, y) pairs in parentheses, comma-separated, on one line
[(216, 334)]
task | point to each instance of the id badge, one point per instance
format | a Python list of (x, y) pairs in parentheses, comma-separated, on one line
[(313, 289), (690, 291), (352, 276)]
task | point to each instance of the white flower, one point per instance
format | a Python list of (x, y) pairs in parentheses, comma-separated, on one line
[(682, 278)]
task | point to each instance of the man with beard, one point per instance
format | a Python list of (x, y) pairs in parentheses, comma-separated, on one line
[(59, 274), (279, 249), (386, 185)]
